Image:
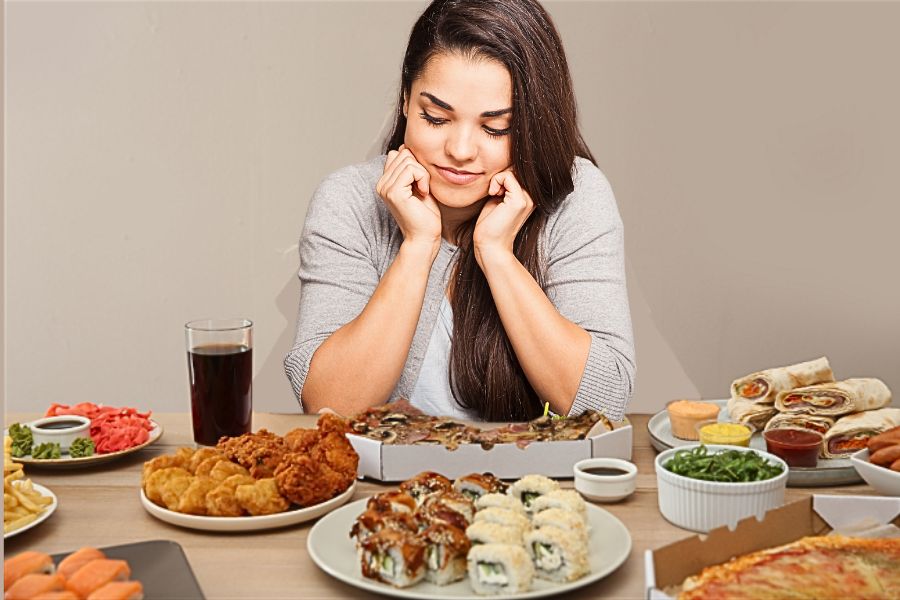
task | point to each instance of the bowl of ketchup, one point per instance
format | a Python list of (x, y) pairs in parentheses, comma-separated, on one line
[(796, 447)]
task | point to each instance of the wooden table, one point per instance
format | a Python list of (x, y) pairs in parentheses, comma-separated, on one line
[(100, 506)]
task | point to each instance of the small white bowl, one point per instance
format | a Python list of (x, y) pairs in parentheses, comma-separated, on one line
[(701, 505), (605, 488), (881, 478), (50, 430)]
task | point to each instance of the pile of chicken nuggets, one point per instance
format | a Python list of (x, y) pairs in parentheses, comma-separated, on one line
[(256, 473)]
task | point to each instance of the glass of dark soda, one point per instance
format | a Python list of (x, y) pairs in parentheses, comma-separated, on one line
[(220, 374)]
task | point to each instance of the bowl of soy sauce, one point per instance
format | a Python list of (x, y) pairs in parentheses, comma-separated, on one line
[(605, 479)]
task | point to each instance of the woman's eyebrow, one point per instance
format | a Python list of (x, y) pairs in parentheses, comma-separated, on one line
[(445, 106)]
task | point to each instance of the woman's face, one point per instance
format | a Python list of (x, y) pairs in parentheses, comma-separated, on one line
[(458, 119)]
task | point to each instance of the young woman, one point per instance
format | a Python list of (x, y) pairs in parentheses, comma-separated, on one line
[(477, 269)]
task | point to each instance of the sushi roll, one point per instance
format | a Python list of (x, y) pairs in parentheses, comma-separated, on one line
[(96, 574), (393, 557), (26, 563), (530, 487), (445, 553), (558, 555), (70, 564), (395, 501), (425, 483), (476, 485), (565, 499), (371, 522), (561, 519), (34, 584), (499, 569), (485, 532), (497, 500), (451, 500), (504, 517), (119, 590)]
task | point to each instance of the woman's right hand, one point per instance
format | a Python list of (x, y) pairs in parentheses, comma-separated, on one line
[(404, 187)]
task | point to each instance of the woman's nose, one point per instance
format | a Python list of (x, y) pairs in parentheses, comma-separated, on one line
[(461, 144)]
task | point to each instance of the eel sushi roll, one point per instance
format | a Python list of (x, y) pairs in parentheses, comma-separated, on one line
[(499, 569), (445, 553), (395, 501), (476, 485), (451, 500), (425, 483), (558, 555), (393, 557), (372, 521), (561, 519), (530, 487), (485, 532), (565, 499), (504, 517), (497, 500)]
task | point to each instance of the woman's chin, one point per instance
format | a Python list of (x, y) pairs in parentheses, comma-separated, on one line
[(459, 197)]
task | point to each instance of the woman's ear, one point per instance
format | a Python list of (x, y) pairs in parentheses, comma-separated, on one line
[(405, 106)]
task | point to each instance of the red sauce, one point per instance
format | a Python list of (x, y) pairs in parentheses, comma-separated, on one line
[(798, 448)]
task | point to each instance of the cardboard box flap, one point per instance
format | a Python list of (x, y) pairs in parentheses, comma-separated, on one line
[(673, 563), (838, 511)]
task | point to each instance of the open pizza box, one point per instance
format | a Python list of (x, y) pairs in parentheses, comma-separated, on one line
[(388, 462), (818, 515)]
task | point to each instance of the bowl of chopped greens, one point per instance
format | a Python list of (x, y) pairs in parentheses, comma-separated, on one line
[(703, 487)]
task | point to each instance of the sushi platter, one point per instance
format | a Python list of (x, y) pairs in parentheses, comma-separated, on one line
[(334, 552)]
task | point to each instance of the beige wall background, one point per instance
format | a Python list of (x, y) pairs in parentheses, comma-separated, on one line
[(160, 158)]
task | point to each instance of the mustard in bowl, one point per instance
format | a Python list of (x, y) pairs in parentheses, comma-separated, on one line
[(724, 434)]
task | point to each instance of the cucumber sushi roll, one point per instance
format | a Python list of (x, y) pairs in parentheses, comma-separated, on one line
[(499, 569), (558, 555)]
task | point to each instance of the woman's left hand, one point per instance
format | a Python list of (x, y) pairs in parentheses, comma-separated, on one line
[(502, 215)]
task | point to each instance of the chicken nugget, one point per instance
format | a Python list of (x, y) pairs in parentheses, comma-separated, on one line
[(201, 455), (225, 469), (261, 498), (160, 462), (221, 501), (193, 501), (165, 486)]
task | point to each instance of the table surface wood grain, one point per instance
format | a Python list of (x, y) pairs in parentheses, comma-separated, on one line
[(100, 506)]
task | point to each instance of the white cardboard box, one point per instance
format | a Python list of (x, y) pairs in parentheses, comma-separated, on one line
[(817, 515), (387, 462)]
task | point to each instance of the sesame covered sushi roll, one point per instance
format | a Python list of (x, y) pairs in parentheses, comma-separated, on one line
[(445, 553), (561, 519), (393, 557), (425, 483), (496, 500), (530, 487), (558, 555), (504, 517), (499, 569), (395, 501), (476, 485), (565, 499), (485, 532), (372, 521)]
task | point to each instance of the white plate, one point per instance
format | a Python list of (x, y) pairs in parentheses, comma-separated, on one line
[(43, 516), (289, 517), (881, 478), (67, 462), (829, 471), (334, 551)]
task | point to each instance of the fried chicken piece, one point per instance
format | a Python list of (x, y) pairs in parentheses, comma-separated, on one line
[(201, 455), (261, 497), (259, 452), (165, 486), (225, 469), (221, 501), (193, 501), (301, 440)]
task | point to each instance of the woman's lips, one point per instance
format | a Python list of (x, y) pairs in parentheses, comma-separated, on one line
[(457, 177)]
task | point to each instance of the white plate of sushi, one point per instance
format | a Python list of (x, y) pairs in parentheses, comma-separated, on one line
[(335, 553), (254, 523)]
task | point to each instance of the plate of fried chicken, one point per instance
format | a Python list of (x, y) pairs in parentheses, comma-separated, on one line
[(255, 481)]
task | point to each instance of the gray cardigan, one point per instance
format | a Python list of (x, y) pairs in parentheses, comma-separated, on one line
[(350, 239)]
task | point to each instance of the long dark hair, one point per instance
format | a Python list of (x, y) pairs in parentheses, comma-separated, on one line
[(544, 140)]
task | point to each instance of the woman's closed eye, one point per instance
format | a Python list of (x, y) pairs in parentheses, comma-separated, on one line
[(438, 121)]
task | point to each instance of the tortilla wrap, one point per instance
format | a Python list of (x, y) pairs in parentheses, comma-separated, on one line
[(836, 399), (818, 423), (752, 414), (764, 386), (852, 433)]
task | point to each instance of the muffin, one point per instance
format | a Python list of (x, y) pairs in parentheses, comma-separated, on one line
[(685, 414)]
